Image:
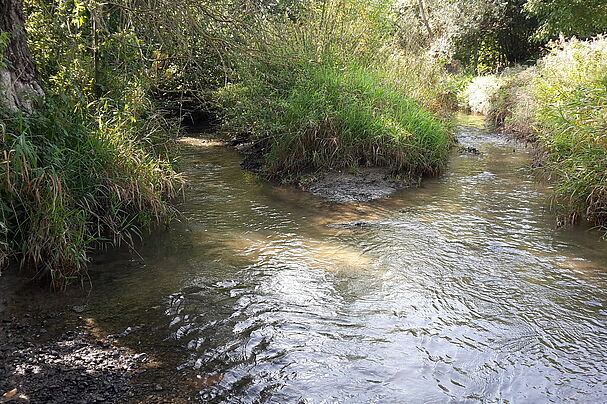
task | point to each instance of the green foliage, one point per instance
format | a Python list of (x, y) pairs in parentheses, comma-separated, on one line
[(484, 35), (571, 90), (333, 118), (328, 93), (4, 39), (580, 18), (90, 167), (562, 104), (513, 106)]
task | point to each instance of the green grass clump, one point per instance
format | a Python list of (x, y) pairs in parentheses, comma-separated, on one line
[(73, 179), (328, 88), (318, 117)]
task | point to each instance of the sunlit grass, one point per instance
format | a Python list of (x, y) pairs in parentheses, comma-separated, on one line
[(69, 184), (330, 117), (571, 90)]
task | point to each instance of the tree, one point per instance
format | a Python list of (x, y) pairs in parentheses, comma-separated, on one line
[(18, 80), (424, 18), (581, 18), (482, 34)]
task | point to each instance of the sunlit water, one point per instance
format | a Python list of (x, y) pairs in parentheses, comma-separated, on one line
[(462, 290)]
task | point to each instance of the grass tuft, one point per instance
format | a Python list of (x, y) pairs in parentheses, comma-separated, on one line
[(334, 93), (69, 184)]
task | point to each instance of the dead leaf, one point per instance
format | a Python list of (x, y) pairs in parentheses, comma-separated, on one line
[(10, 394)]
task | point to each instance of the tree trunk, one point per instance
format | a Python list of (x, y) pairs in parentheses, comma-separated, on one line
[(18, 78), (422, 11)]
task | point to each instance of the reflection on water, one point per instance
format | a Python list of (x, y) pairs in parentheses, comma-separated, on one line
[(462, 290)]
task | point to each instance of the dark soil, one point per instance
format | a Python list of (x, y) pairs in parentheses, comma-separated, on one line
[(74, 367)]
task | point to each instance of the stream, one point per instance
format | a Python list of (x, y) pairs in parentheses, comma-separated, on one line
[(461, 290)]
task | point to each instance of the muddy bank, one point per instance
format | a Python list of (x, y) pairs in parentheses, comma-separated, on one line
[(364, 185)]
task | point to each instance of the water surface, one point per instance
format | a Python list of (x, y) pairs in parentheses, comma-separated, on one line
[(462, 290)]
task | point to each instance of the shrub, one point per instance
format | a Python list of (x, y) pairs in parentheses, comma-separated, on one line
[(331, 118), (513, 106), (478, 94), (562, 104), (90, 166)]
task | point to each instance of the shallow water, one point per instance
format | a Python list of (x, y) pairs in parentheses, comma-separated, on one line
[(462, 290)]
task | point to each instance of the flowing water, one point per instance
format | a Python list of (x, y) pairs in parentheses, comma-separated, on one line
[(462, 290)]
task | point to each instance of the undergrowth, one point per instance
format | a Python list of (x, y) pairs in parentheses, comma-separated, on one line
[(328, 117), (571, 92)]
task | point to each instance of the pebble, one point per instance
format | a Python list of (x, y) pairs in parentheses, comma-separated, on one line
[(79, 309)]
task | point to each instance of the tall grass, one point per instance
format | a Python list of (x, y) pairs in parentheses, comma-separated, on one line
[(69, 183), (327, 90), (91, 166), (571, 91)]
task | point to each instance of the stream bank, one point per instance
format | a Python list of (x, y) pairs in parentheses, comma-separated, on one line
[(362, 184), (52, 350)]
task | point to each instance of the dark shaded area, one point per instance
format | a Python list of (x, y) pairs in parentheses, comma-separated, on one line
[(252, 151), (195, 113), (503, 38), (199, 119), (71, 368)]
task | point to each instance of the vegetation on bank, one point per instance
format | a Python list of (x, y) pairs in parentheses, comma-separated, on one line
[(90, 165), (70, 183), (322, 83), (329, 94), (562, 104)]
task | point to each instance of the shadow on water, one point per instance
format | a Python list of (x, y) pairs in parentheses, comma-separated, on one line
[(460, 290)]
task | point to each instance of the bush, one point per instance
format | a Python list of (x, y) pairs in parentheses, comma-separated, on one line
[(331, 118), (90, 167), (513, 106), (478, 95)]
